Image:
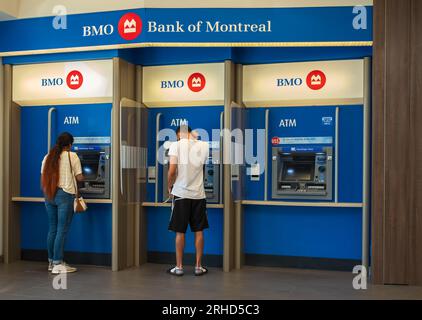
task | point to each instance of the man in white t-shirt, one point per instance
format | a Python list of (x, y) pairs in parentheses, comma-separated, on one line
[(186, 185)]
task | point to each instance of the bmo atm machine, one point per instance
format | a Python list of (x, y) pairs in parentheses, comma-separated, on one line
[(303, 153), (95, 162), (92, 144), (302, 172)]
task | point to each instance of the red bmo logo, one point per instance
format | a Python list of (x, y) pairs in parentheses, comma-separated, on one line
[(316, 80), (74, 80), (130, 26), (275, 141), (196, 82)]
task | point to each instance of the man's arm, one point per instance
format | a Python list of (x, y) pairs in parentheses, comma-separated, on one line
[(172, 173)]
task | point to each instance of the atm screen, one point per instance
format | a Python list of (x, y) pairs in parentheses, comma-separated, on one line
[(90, 170), (293, 171)]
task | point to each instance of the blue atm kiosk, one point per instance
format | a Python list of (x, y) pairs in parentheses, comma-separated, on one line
[(90, 238), (91, 127), (309, 207)]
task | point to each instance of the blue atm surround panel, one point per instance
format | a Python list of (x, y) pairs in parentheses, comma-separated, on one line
[(90, 232), (332, 233), (79, 120), (350, 145)]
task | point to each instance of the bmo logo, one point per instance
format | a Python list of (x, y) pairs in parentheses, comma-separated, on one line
[(130, 26), (316, 80), (74, 80), (196, 82)]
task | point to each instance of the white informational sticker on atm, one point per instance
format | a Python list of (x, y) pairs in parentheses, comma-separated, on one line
[(327, 121), (92, 140), (255, 172), (306, 140)]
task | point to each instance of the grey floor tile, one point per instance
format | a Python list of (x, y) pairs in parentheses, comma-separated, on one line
[(29, 280)]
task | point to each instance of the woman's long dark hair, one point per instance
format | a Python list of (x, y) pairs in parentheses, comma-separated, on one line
[(50, 175)]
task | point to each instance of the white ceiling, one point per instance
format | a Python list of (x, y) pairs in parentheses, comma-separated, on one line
[(9, 9), (20, 9)]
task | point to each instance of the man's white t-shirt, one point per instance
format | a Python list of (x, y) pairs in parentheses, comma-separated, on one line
[(191, 156), (66, 181)]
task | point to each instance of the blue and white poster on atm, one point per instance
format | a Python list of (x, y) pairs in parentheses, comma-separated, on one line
[(63, 83)]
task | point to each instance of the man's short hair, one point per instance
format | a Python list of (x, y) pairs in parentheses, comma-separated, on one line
[(183, 128)]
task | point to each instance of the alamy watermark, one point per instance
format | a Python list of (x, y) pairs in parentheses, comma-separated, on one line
[(235, 147), (60, 17), (60, 281), (360, 281), (360, 21)]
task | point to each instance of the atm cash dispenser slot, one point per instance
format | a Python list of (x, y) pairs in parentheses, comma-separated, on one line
[(302, 174), (95, 162)]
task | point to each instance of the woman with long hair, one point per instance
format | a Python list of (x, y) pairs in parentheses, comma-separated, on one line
[(59, 169)]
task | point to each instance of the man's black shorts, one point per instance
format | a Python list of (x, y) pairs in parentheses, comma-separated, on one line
[(186, 212)]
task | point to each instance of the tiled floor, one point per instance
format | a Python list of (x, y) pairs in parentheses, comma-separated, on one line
[(29, 280)]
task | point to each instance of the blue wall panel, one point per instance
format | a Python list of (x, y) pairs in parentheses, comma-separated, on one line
[(303, 232), (162, 240), (33, 149), (89, 232), (351, 154), (172, 56), (255, 120), (260, 55)]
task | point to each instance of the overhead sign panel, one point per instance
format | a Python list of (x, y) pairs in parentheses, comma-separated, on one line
[(328, 26), (63, 83), (304, 83), (184, 85)]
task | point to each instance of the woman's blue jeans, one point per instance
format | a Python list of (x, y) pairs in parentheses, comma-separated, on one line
[(60, 214)]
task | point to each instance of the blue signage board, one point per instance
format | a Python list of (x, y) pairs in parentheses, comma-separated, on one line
[(201, 26)]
